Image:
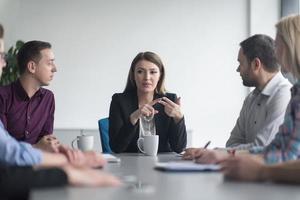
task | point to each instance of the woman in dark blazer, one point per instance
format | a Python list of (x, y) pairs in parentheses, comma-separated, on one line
[(145, 95)]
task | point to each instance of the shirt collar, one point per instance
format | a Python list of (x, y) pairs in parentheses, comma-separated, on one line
[(296, 87), (23, 94), (270, 88)]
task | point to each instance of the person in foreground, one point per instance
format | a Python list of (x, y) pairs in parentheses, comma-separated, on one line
[(26, 108), (286, 145), (72, 167), (17, 182), (20, 153), (13, 152), (145, 98), (264, 108), (253, 168)]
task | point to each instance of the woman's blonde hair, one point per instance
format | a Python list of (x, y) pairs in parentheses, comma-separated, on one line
[(288, 28)]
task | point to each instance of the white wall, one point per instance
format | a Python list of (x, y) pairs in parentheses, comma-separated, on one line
[(263, 16), (8, 17), (96, 40)]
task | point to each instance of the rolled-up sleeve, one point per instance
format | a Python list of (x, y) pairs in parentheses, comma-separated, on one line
[(237, 135)]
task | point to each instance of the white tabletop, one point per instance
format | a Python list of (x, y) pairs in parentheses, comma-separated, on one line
[(147, 183)]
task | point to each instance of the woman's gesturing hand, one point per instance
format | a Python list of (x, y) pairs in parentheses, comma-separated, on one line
[(144, 110), (172, 109)]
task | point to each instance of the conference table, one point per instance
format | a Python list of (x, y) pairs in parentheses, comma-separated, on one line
[(142, 181)]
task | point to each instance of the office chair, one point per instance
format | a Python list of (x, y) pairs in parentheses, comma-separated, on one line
[(103, 125)]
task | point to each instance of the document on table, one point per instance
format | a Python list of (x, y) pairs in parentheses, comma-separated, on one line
[(111, 158), (186, 166)]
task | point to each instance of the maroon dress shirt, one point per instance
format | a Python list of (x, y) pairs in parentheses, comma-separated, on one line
[(26, 119)]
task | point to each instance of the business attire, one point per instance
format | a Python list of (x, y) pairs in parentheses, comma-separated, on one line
[(16, 182), (261, 115), (26, 119), (124, 135), (13, 152)]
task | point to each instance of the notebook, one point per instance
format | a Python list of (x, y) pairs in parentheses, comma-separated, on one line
[(186, 166)]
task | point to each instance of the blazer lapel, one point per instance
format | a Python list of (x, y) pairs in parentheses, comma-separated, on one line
[(131, 103), (158, 118)]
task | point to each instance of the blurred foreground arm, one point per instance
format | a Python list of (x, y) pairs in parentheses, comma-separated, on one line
[(253, 168)]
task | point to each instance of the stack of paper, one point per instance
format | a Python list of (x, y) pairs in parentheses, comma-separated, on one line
[(186, 166)]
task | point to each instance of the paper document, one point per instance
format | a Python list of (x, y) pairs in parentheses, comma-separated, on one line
[(186, 166), (111, 158)]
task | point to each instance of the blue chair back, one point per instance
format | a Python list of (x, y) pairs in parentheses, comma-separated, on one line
[(103, 125)]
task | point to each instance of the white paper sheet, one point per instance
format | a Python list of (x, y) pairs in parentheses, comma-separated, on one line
[(186, 166)]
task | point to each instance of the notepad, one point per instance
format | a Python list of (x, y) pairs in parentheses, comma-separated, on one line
[(186, 166), (111, 158)]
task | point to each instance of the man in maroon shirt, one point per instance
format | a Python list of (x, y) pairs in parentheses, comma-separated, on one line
[(27, 109), (72, 166)]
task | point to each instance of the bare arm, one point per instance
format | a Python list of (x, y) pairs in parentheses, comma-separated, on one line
[(53, 159), (75, 158), (288, 172)]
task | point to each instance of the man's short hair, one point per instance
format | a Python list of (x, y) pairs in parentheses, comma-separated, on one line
[(1, 31), (262, 47), (30, 51)]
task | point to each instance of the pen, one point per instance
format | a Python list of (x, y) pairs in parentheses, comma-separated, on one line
[(206, 145), (190, 155)]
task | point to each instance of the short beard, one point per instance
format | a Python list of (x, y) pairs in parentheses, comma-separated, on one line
[(249, 83)]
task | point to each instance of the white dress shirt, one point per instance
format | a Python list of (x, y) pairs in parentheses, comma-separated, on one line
[(261, 115)]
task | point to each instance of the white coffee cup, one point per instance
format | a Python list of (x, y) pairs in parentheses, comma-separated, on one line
[(84, 142), (148, 144)]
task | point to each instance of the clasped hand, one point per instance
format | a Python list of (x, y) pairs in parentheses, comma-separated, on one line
[(48, 143), (171, 109)]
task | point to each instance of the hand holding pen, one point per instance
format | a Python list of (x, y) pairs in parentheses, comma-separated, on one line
[(189, 154), (206, 145), (208, 156)]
